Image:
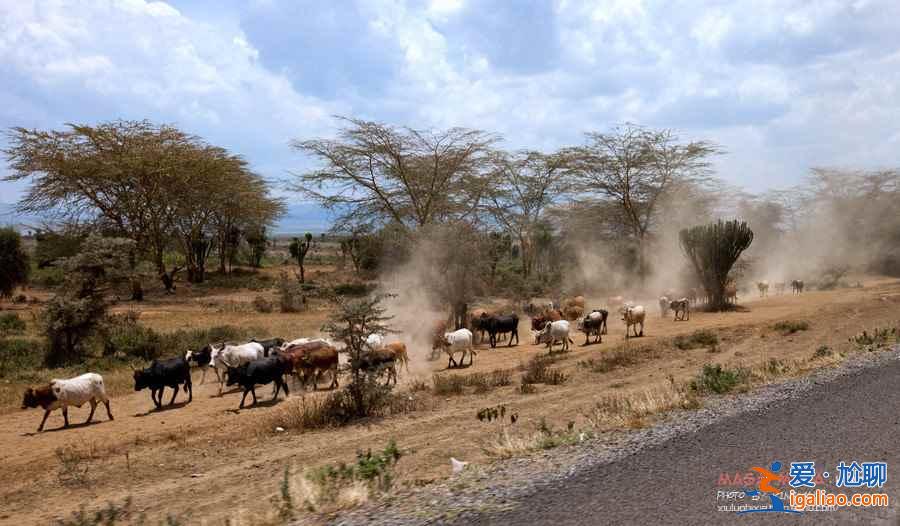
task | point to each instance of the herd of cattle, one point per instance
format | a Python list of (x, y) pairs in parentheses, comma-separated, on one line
[(262, 362)]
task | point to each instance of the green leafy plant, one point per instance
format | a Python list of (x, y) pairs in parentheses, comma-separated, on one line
[(717, 379)]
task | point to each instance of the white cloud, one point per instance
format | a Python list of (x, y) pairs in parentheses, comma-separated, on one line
[(781, 85)]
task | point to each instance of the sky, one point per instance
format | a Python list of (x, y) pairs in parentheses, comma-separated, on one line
[(780, 85)]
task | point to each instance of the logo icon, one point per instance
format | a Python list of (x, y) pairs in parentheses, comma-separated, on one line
[(764, 486)]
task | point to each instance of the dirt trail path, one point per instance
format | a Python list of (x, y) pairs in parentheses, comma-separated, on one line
[(208, 460)]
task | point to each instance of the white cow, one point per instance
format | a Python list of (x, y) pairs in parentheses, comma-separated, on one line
[(231, 356), (60, 394), (557, 331), (459, 341), (633, 315), (375, 341), (663, 306)]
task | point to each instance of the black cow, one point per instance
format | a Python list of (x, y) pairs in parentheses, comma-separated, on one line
[(480, 325), (497, 325), (269, 345), (594, 325), (379, 361), (260, 372), (165, 373)]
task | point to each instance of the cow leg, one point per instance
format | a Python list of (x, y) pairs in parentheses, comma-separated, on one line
[(277, 389), (253, 392), (66, 416), (284, 387), (642, 330), (189, 387), (243, 398), (91, 415), (108, 411), (44, 420), (174, 394)]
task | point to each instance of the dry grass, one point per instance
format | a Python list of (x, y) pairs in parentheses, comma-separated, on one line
[(456, 384), (621, 356), (634, 410)]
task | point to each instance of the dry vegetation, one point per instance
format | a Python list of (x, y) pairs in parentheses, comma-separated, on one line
[(574, 396)]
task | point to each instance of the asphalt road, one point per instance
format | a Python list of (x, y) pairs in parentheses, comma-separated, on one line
[(854, 417)]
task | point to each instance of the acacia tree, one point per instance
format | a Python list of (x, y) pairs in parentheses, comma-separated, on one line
[(299, 248), (373, 173), (713, 250), (634, 167), (153, 184), (523, 186)]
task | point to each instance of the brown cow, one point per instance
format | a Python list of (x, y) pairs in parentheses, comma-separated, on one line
[(538, 322), (399, 351), (573, 312), (313, 357)]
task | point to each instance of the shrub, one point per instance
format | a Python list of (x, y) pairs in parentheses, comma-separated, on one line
[(823, 351), (75, 313), (790, 327), (450, 384), (10, 323), (454, 384), (701, 338), (374, 471), (623, 356), (290, 294), (123, 337), (717, 379), (17, 355), (877, 340), (14, 264), (354, 289), (538, 371), (49, 277)]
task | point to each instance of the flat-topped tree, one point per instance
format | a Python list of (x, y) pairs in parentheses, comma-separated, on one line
[(154, 184), (713, 250), (374, 174)]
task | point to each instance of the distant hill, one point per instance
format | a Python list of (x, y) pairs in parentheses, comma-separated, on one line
[(303, 217), (299, 218)]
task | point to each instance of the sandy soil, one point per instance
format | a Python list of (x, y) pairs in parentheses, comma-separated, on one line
[(209, 461)]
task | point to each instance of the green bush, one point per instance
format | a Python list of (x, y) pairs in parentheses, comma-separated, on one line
[(124, 337), (701, 338), (357, 289), (717, 379), (17, 355), (14, 262), (10, 323), (48, 278), (376, 470)]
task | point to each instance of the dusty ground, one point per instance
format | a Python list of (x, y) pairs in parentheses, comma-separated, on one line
[(209, 461)]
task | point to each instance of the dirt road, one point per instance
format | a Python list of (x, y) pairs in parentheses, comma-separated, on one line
[(851, 419), (207, 460)]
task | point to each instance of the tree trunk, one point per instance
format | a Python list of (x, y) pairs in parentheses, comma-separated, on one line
[(137, 289)]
